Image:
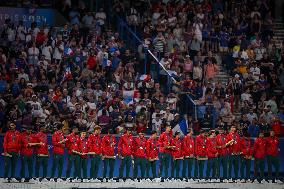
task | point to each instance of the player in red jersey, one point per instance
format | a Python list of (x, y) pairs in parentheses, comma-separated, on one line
[(71, 145), (246, 156), (201, 154), (108, 153), (188, 145), (212, 154), (139, 154), (41, 152), (273, 156), (165, 150), (27, 141), (222, 153), (260, 146), (58, 142), (152, 153), (177, 154), (95, 145), (11, 145), (125, 152), (233, 145)]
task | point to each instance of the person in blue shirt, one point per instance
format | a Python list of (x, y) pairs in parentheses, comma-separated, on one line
[(214, 40), (198, 91), (115, 61), (253, 128), (206, 36), (224, 40)]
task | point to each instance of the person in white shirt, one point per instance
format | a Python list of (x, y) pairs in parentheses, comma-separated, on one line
[(156, 124), (155, 17), (259, 51), (21, 31), (29, 36), (101, 17), (197, 27), (46, 51), (251, 115), (33, 54), (58, 50), (246, 95), (11, 32), (272, 104), (255, 71), (168, 116)]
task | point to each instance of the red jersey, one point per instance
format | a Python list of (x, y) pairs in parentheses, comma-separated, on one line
[(95, 143), (211, 147), (260, 148), (108, 145), (41, 138), (152, 148), (221, 144), (177, 150), (188, 146), (246, 147), (164, 140), (200, 147), (125, 145), (272, 146), (71, 142), (57, 147), (139, 147), (25, 140), (82, 146), (234, 148), (11, 141)]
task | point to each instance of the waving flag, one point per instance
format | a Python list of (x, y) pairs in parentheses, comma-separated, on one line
[(145, 78), (128, 96), (181, 127), (68, 51), (67, 74)]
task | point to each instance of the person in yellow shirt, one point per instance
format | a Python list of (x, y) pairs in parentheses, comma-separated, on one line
[(242, 69)]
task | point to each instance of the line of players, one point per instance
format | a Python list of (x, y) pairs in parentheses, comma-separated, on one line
[(224, 153)]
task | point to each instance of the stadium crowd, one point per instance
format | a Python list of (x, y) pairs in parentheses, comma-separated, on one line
[(83, 74)]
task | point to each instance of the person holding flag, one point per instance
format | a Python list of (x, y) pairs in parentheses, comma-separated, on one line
[(177, 154), (188, 145), (152, 153), (11, 145), (125, 152), (139, 153), (95, 150), (108, 153), (164, 143), (41, 152)]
